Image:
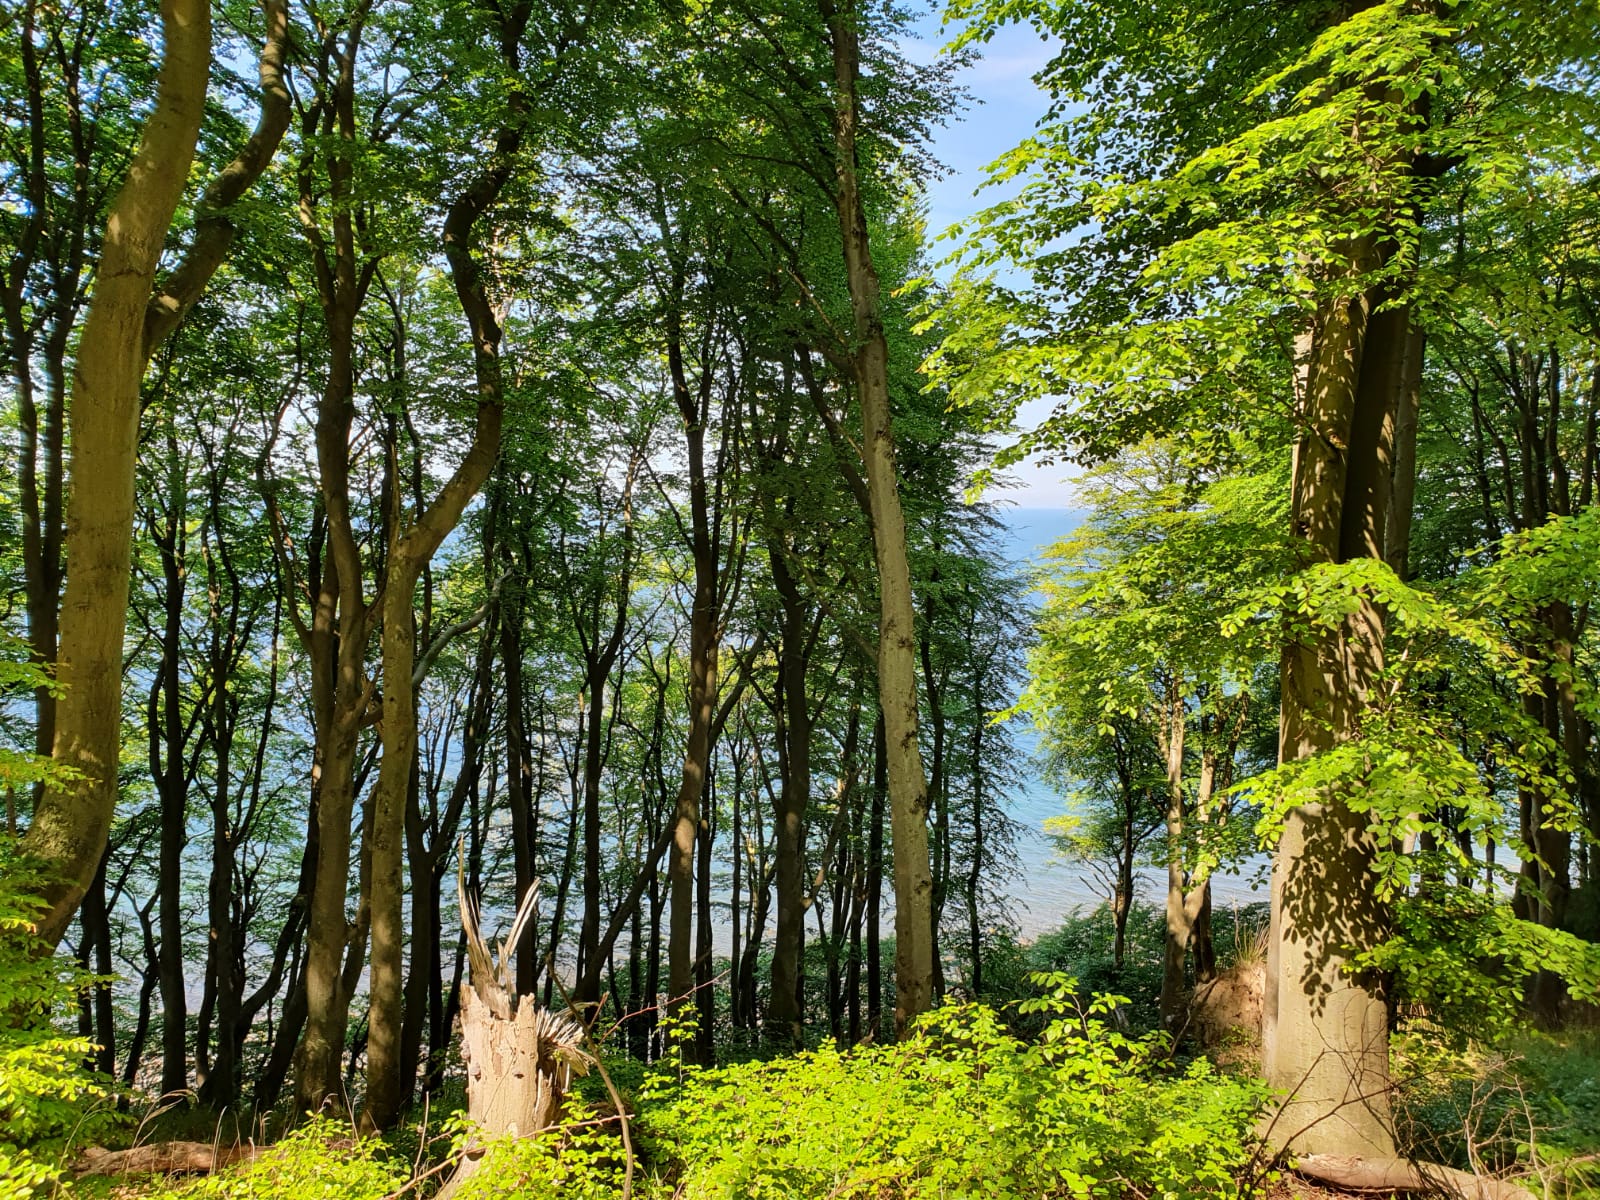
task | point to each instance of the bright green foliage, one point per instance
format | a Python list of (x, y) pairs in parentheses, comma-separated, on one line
[(19, 769), (47, 1095), (1444, 745), (583, 1160), (965, 1110), (318, 1161), (1198, 185), (1131, 629)]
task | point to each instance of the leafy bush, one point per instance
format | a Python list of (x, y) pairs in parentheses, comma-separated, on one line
[(47, 1092), (317, 1161), (583, 1160), (964, 1110)]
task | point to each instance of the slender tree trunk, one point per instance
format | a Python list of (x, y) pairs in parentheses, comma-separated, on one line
[(794, 795), (897, 672), (221, 1088), (1179, 926), (705, 994), (1402, 494), (95, 955), (735, 914), (520, 798), (703, 637), (880, 792), (975, 870), (169, 738), (938, 782)]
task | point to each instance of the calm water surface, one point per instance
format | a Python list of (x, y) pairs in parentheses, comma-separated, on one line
[(1046, 889)]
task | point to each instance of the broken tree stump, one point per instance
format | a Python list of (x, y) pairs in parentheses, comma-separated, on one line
[(520, 1058)]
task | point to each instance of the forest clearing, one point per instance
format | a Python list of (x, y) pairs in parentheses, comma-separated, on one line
[(523, 671)]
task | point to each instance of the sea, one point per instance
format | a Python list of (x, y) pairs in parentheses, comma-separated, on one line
[(1047, 888)]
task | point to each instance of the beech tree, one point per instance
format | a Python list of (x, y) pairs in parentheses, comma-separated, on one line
[(123, 324), (1140, 695), (1267, 261)]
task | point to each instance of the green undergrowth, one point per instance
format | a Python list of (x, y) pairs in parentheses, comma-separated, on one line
[(963, 1109), (1528, 1107), (48, 1101)]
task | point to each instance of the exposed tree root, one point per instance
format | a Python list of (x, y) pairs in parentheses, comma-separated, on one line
[(1399, 1175)]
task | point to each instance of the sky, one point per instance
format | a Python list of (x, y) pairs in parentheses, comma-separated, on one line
[(1006, 103)]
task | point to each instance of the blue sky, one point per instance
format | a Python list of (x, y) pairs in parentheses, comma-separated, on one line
[(1006, 103)]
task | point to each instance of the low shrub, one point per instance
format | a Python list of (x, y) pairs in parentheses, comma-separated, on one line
[(583, 1160), (317, 1161), (964, 1110)]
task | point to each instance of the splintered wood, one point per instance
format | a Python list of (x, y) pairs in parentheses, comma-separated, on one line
[(520, 1058)]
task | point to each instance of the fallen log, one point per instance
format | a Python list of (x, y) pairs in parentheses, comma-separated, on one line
[(161, 1158), (1389, 1175)]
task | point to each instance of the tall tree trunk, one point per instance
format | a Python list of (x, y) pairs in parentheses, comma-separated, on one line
[(1325, 1031), (938, 783), (693, 408), (897, 671), (336, 637), (794, 796), (125, 324), (169, 738), (72, 820), (409, 553)]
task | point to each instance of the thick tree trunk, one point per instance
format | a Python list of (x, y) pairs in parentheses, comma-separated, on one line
[(520, 1059), (409, 554), (71, 821), (897, 671), (125, 324), (1325, 1034), (385, 1020)]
